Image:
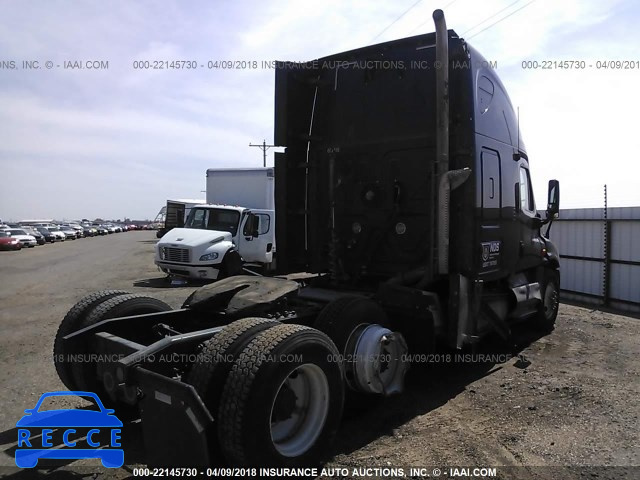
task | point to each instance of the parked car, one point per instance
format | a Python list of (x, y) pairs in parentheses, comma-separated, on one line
[(89, 231), (7, 242), (24, 238), (47, 234), (77, 227), (71, 233), (34, 233), (100, 229), (58, 233)]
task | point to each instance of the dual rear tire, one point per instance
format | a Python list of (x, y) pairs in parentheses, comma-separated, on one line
[(274, 391), (73, 362)]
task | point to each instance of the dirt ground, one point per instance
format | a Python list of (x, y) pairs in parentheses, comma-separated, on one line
[(568, 399)]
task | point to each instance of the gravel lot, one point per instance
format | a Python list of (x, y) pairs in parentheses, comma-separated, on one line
[(571, 399)]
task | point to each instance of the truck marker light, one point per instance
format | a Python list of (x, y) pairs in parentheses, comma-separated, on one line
[(163, 397), (194, 420)]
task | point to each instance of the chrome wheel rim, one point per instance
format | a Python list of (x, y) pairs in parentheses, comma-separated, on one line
[(299, 410)]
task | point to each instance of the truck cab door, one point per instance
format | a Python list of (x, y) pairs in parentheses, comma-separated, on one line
[(531, 244), (256, 239)]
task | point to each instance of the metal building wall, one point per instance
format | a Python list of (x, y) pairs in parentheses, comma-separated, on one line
[(600, 258)]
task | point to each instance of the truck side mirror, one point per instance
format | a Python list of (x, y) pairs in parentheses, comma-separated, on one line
[(553, 203)]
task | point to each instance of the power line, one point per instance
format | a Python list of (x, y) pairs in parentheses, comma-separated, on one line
[(393, 23), (430, 19), (503, 18), (490, 17)]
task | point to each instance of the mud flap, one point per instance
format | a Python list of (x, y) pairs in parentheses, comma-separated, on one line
[(175, 422)]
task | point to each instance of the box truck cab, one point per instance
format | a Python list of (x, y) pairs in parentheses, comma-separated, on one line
[(216, 241), (235, 226)]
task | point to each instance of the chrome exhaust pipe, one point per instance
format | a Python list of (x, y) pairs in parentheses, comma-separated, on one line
[(442, 137)]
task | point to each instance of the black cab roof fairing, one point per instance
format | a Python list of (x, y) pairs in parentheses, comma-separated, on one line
[(373, 110), (396, 56), (494, 114)]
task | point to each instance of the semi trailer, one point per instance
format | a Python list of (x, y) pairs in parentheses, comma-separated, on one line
[(404, 195)]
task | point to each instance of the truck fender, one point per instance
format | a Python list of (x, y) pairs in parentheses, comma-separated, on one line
[(552, 257), (231, 263)]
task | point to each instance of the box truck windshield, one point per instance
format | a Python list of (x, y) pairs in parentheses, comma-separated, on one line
[(214, 219)]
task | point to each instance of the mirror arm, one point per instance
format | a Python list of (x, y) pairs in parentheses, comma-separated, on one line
[(549, 228)]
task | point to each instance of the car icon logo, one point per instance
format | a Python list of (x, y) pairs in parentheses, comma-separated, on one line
[(63, 433)]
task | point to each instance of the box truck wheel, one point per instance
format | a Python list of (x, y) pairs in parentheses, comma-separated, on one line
[(282, 402), (214, 361), (546, 317), (73, 321), (374, 357), (231, 265), (84, 373)]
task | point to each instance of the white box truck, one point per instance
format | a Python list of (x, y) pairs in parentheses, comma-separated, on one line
[(235, 227)]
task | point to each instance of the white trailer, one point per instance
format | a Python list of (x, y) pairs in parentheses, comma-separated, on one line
[(247, 187)]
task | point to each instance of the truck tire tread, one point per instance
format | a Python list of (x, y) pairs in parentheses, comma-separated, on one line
[(71, 322), (119, 306), (206, 377), (240, 395), (332, 322), (125, 305)]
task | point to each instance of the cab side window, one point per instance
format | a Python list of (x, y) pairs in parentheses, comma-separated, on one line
[(263, 226), (527, 203)]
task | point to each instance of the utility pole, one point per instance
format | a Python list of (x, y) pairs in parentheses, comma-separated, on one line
[(264, 147)]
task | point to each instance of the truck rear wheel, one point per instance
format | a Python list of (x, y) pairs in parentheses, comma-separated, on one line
[(84, 373), (73, 321), (209, 373), (282, 402), (546, 317), (372, 355), (341, 317)]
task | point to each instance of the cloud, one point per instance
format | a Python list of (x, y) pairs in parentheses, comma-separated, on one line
[(149, 134)]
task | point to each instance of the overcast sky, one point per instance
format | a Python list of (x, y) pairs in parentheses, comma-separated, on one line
[(117, 142)]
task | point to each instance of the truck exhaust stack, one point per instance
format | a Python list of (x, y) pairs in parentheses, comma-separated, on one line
[(442, 141)]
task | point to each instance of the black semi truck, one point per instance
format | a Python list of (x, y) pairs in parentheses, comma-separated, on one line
[(405, 219)]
